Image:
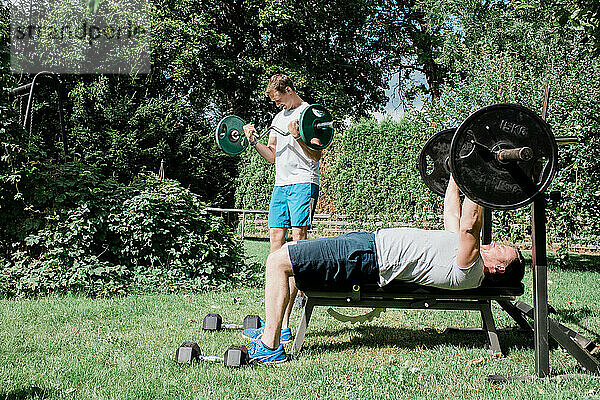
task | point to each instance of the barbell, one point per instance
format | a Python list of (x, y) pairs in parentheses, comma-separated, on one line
[(315, 122), (502, 156)]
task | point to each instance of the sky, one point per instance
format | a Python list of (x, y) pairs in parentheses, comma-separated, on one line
[(393, 108)]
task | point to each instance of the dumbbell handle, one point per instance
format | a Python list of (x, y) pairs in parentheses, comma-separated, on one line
[(210, 358), (232, 326), (516, 154)]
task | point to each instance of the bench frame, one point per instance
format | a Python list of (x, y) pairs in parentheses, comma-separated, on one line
[(411, 296)]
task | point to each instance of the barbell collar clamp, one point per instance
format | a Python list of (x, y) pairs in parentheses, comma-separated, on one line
[(323, 125)]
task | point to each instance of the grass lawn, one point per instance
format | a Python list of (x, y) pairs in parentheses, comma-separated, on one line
[(123, 348)]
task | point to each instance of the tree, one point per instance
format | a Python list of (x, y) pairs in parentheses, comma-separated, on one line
[(410, 42), (572, 15), (220, 54), (210, 59)]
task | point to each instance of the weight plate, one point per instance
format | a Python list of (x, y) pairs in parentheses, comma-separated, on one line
[(433, 161), (310, 117), (502, 185), (230, 135)]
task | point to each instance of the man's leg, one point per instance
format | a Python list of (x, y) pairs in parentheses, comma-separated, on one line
[(279, 217), (298, 233), (276, 238), (302, 201), (277, 294)]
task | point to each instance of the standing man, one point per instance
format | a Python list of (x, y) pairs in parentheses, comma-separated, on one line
[(296, 187)]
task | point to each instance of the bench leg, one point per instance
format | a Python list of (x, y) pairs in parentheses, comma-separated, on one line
[(515, 314), (306, 313), (490, 327)]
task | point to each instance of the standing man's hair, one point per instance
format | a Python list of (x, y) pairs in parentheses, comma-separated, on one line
[(279, 82)]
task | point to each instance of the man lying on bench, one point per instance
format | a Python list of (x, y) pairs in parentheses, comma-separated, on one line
[(451, 259)]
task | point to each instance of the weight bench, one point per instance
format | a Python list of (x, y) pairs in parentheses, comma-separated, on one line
[(406, 295)]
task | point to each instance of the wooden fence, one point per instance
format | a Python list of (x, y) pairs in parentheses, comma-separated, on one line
[(249, 223)]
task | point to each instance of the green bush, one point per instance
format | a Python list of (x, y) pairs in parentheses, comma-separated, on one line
[(149, 236), (254, 182), (374, 174)]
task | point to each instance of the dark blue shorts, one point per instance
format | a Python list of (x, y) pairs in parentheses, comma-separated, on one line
[(336, 262)]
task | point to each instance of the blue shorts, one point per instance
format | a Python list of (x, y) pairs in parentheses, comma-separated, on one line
[(336, 262), (293, 205)]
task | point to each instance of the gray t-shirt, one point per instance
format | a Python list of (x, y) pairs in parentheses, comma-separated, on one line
[(291, 164), (426, 257)]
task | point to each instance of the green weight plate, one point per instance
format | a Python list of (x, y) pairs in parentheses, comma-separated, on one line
[(230, 135), (503, 185), (310, 117), (434, 161)]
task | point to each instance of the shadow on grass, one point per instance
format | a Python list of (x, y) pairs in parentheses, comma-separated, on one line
[(255, 239), (379, 337), (28, 393), (575, 316), (575, 262)]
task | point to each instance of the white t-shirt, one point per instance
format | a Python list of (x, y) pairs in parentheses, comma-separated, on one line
[(291, 164), (426, 257)]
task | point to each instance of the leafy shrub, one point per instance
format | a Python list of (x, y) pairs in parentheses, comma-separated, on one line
[(374, 173), (149, 236)]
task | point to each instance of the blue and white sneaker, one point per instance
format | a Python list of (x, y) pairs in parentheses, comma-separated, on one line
[(261, 355), (255, 334)]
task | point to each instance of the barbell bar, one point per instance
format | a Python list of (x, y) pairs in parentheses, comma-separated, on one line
[(316, 128)]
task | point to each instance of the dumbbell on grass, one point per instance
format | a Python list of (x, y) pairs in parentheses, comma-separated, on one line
[(235, 355), (214, 322)]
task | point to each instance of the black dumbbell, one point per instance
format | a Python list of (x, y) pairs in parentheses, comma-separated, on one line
[(214, 322), (235, 355)]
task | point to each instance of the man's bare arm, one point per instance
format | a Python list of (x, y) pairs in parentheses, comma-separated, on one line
[(469, 233), (451, 207), (266, 151), (294, 129)]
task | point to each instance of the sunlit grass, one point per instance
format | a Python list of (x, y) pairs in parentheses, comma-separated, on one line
[(123, 348)]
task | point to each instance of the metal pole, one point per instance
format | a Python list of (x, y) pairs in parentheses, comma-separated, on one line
[(487, 226), (243, 223), (540, 273), (540, 287)]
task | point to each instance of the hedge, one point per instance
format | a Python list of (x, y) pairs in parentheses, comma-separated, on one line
[(369, 175)]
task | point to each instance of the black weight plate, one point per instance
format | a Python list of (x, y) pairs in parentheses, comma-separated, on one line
[(230, 135), (309, 118), (499, 185), (433, 161)]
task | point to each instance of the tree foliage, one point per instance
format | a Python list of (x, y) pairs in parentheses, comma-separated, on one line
[(410, 42)]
